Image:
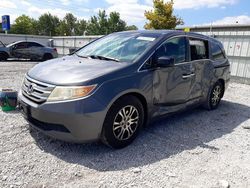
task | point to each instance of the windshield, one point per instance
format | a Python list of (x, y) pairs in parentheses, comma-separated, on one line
[(119, 47)]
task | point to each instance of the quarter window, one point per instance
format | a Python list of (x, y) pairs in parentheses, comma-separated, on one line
[(198, 49), (217, 52)]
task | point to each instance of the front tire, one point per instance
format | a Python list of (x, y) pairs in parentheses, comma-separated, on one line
[(3, 57), (214, 96), (123, 122)]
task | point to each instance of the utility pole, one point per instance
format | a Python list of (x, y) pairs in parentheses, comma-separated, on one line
[(211, 28)]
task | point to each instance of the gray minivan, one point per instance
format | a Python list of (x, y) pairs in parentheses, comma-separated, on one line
[(110, 88)]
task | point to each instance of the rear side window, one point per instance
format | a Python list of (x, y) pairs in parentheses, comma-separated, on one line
[(198, 49), (217, 53), (33, 44), (21, 45)]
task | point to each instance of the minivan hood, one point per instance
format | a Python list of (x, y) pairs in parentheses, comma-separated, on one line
[(72, 70)]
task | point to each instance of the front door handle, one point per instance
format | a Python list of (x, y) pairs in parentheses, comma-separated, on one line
[(184, 76)]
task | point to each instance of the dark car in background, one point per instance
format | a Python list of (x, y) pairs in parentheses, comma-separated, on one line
[(27, 50), (112, 87)]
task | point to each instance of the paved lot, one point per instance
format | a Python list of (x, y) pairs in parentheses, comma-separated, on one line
[(197, 148)]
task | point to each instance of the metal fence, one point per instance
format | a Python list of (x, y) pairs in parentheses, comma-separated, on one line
[(10, 38), (65, 44)]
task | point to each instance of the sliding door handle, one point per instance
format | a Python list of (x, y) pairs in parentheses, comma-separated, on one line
[(184, 76)]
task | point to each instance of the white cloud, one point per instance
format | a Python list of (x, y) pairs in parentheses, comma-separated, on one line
[(96, 10), (56, 11), (26, 3), (121, 1), (196, 4), (84, 10), (242, 19), (7, 4), (65, 2), (130, 12), (133, 12)]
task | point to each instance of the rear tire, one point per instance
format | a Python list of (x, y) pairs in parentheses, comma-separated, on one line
[(214, 96), (47, 57), (123, 122)]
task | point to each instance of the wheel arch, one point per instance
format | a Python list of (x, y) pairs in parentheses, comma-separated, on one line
[(5, 54), (139, 96), (47, 54), (222, 81)]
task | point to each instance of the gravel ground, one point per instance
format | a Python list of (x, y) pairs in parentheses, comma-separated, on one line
[(197, 148)]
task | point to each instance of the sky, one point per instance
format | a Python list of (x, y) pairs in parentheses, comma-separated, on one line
[(193, 12)]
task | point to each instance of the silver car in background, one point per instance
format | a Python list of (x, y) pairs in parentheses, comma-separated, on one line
[(27, 50)]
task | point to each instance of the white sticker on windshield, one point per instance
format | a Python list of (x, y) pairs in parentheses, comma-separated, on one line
[(146, 38)]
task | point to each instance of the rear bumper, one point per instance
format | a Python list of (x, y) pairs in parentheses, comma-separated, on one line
[(74, 121)]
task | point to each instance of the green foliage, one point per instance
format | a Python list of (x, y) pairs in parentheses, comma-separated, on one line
[(47, 24), (102, 24), (68, 25), (131, 27), (162, 17), (98, 25), (115, 24), (24, 25), (81, 27)]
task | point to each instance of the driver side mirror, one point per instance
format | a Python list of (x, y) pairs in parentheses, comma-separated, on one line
[(165, 61)]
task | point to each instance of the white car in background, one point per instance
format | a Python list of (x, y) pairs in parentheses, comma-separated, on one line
[(27, 50)]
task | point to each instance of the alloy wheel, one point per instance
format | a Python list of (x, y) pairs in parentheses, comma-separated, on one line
[(216, 95), (126, 123)]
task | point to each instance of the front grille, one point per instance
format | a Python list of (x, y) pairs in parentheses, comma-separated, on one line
[(36, 91)]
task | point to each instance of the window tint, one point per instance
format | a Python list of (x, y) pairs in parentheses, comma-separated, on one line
[(21, 45), (175, 48), (217, 52), (33, 44), (198, 49)]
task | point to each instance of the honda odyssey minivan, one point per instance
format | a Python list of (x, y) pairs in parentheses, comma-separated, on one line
[(112, 87)]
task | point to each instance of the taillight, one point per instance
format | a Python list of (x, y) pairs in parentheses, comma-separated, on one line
[(55, 49)]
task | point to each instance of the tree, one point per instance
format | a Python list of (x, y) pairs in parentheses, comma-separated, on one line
[(81, 27), (115, 24), (97, 25), (24, 25), (131, 27), (162, 17), (47, 24), (71, 26), (102, 24), (1, 30)]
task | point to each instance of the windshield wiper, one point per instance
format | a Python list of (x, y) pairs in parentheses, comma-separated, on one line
[(103, 58), (80, 55)]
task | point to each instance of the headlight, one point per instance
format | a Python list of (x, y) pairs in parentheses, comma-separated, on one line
[(68, 93)]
